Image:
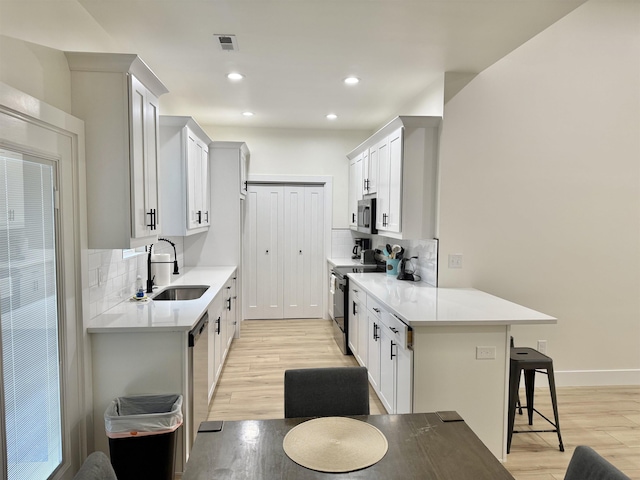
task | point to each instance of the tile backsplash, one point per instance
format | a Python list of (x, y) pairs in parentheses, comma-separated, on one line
[(112, 278), (426, 265), (342, 243)]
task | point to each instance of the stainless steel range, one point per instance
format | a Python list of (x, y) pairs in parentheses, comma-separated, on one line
[(340, 298)]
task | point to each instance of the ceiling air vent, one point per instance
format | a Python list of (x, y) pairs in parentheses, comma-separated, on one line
[(228, 43)]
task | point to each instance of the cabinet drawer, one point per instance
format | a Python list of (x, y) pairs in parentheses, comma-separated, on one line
[(357, 293), (375, 307), (400, 330)]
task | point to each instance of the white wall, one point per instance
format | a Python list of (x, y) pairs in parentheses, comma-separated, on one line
[(299, 152), (39, 71), (540, 188)]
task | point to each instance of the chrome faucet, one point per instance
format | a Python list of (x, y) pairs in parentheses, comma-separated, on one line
[(149, 262)]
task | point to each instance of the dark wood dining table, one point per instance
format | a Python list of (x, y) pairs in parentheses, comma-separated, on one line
[(421, 446)]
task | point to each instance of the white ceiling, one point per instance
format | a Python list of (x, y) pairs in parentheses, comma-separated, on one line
[(295, 53)]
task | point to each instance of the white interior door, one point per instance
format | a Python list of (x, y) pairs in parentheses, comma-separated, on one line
[(284, 252), (294, 251), (264, 251), (313, 252)]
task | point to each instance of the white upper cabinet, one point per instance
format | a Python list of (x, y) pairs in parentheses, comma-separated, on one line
[(370, 160), (355, 188), (389, 212), (406, 157), (184, 176), (117, 97), (244, 167)]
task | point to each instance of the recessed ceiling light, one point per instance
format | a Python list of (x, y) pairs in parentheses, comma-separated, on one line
[(332, 116), (235, 76), (351, 80), (247, 114)]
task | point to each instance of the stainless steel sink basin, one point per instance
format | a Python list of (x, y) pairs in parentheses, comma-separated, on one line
[(181, 292)]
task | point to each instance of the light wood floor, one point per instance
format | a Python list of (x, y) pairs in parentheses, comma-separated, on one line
[(251, 387)]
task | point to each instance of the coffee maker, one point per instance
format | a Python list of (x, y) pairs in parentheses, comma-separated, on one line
[(361, 244)]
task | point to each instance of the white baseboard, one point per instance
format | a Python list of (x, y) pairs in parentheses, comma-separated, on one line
[(590, 378), (596, 378)]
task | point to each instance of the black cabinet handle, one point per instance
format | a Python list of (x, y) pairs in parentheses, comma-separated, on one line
[(152, 219), (218, 326), (199, 216), (393, 330), (377, 310), (375, 332), (229, 304), (207, 214), (354, 309), (392, 345)]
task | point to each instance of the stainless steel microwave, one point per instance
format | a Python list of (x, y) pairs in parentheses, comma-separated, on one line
[(367, 216)]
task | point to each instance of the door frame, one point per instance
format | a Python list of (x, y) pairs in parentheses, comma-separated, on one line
[(327, 183), (76, 366)]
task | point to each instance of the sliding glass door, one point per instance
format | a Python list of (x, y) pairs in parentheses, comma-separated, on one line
[(31, 417)]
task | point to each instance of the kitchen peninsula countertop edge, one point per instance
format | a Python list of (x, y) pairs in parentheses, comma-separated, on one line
[(418, 304)]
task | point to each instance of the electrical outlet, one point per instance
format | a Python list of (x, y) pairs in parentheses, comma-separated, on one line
[(455, 260), (102, 276), (542, 346), (485, 353)]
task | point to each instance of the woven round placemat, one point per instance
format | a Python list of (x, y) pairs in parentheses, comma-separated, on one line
[(335, 444)]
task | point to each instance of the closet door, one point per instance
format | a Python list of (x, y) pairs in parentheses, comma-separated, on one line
[(294, 251), (264, 251), (313, 251)]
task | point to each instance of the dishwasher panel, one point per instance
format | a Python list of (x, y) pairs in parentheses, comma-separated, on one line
[(198, 375)]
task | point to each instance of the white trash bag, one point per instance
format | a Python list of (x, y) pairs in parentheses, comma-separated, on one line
[(141, 415)]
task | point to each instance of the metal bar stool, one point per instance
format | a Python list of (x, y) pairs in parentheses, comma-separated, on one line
[(531, 361)]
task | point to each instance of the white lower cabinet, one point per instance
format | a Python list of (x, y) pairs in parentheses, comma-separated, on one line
[(373, 349), (222, 327), (380, 341), (215, 311), (356, 310), (363, 333), (404, 380), (395, 367), (387, 370)]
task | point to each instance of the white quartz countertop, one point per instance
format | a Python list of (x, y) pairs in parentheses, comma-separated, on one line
[(343, 262), (166, 315), (419, 304)]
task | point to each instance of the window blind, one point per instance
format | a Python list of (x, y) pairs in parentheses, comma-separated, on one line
[(29, 318)]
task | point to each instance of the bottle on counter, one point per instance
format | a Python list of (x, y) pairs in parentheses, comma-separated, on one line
[(139, 287)]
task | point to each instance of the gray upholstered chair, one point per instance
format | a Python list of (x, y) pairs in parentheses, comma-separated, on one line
[(587, 464), (325, 392), (96, 467)]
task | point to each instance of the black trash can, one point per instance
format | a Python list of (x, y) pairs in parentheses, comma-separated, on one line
[(142, 431)]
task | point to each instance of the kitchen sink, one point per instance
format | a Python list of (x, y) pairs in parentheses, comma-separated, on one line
[(181, 292)]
